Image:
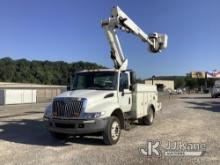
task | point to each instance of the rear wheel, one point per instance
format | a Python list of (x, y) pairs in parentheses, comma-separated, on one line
[(148, 120), (112, 131), (140, 121), (213, 96)]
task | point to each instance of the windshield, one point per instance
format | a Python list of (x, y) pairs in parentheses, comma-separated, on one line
[(95, 80), (217, 85)]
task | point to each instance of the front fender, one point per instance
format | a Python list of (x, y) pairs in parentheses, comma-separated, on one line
[(107, 107)]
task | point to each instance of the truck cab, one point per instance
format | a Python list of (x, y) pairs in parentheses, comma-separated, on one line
[(100, 101)]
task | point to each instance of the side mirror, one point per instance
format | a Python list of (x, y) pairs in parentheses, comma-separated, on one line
[(131, 88)]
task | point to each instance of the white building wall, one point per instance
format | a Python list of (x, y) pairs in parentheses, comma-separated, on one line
[(17, 96), (168, 84)]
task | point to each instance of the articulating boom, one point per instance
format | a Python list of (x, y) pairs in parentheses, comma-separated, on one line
[(119, 20)]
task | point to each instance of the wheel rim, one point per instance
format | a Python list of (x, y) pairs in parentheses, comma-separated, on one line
[(115, 131), (151, 117)]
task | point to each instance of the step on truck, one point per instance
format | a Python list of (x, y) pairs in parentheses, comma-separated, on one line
[(105, 101)]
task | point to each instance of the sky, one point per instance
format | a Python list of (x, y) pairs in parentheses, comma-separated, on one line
[(70, 30)]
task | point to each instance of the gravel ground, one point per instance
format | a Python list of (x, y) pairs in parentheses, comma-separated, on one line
[(186, 119)]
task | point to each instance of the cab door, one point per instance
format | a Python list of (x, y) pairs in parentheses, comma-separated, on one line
[(125, 94)]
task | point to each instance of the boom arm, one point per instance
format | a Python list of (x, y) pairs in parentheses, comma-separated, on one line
[(119, 20)]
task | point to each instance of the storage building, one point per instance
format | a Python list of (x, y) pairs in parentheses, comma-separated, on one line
[(18, 93), (162, 85)]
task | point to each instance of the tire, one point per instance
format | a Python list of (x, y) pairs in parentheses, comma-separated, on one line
[(59, 136), (112, 131), (140, 121), (149, 119), (214, 96)]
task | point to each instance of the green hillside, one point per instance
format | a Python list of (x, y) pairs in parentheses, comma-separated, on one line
[(42, 72)]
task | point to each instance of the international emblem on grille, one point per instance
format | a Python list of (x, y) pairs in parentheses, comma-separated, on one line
[(67, 107)]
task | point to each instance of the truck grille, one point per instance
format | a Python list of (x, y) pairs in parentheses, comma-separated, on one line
[(67, 107)]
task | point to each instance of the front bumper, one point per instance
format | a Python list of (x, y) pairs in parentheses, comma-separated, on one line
[(75, 126)]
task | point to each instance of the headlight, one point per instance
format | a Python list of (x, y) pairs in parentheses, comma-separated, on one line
[(92, 115), (48, 111), (84, 101)]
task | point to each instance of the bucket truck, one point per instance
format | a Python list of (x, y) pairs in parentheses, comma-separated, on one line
[(105, 101)]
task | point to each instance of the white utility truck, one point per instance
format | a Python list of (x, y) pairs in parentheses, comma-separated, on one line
[(107, 100), (215, 90)]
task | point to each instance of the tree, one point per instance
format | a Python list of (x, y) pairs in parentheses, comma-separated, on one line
[(179, 83), (43, 72), (191, 83)]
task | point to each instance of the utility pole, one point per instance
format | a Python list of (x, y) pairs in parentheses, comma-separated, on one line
[(153, 77)]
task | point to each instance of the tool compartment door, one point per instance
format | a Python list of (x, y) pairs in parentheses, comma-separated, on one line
[(142, 96)]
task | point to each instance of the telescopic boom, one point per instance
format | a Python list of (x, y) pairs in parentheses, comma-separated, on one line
[(119, 20)]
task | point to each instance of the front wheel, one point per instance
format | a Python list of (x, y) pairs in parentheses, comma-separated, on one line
[(112, 131)]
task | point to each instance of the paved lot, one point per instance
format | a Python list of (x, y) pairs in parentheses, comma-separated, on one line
[(187, 118)]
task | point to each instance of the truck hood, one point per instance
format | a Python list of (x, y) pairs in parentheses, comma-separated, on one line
[(94, 97)]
